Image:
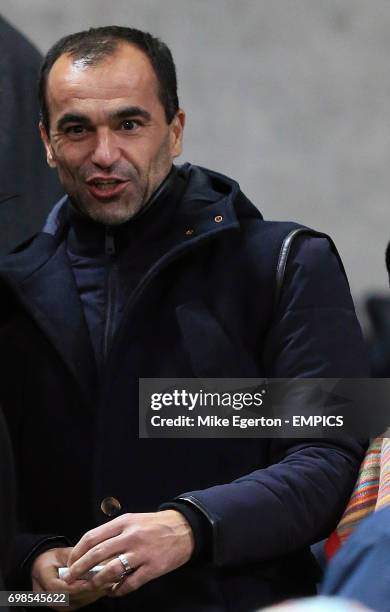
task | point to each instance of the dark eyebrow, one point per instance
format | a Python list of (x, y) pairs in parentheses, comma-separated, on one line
[(132, 111), (72, 118)]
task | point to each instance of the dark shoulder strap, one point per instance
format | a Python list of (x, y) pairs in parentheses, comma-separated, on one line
[(285, 249)]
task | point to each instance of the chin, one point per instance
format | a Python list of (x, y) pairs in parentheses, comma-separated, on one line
[(111, 214)]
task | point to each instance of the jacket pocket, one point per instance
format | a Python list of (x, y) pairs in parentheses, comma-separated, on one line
[(212, 351)]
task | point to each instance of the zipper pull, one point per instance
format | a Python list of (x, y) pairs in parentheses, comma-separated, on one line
[(109, 242)]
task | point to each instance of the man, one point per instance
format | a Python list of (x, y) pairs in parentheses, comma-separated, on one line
[(147, 270)]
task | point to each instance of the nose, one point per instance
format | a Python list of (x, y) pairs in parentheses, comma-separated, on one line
[(105, 152)]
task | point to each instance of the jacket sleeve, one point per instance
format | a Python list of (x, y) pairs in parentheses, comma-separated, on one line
[(26, 548), (299, 497)]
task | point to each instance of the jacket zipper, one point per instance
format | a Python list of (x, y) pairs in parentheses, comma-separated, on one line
[(111, 293)]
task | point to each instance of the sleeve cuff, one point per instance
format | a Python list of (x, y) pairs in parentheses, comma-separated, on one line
[(42, 546)]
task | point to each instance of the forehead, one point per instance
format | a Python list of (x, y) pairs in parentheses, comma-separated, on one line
[(127, 74)]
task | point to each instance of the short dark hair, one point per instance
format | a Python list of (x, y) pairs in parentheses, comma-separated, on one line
[(95, 44)]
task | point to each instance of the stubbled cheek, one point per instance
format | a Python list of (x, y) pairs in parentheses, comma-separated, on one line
[(67, 174)]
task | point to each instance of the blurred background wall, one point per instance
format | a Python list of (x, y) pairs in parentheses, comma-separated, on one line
[(290, 97)]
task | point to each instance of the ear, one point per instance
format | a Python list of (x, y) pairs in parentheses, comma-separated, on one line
[(46, 141), (176, 132)]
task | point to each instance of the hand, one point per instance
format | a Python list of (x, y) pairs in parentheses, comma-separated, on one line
[(154, 544), (45, 578)]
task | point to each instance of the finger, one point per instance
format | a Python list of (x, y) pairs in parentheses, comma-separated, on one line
[(94, 537), (132, 582), (46, 574), (113, 572), (78, 588), (102, 552), (53, 584)]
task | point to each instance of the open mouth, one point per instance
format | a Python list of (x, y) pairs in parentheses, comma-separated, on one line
[(105, 184), (102, 188)]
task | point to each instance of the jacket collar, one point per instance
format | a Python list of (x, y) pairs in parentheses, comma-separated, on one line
[(190, 198)]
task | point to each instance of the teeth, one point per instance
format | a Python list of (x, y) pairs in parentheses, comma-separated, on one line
[(104, 184)]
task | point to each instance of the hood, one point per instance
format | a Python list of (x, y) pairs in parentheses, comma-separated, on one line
[(206, 185)]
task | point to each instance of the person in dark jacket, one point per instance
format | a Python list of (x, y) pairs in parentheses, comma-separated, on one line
[(152, 270), (28, 187)]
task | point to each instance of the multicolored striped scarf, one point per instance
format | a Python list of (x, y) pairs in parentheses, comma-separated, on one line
[(371, 492)]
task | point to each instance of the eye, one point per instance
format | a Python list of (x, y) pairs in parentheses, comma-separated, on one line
[(130, 125), (75, 130)]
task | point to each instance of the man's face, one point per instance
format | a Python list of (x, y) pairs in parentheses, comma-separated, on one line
[(109, 138)]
